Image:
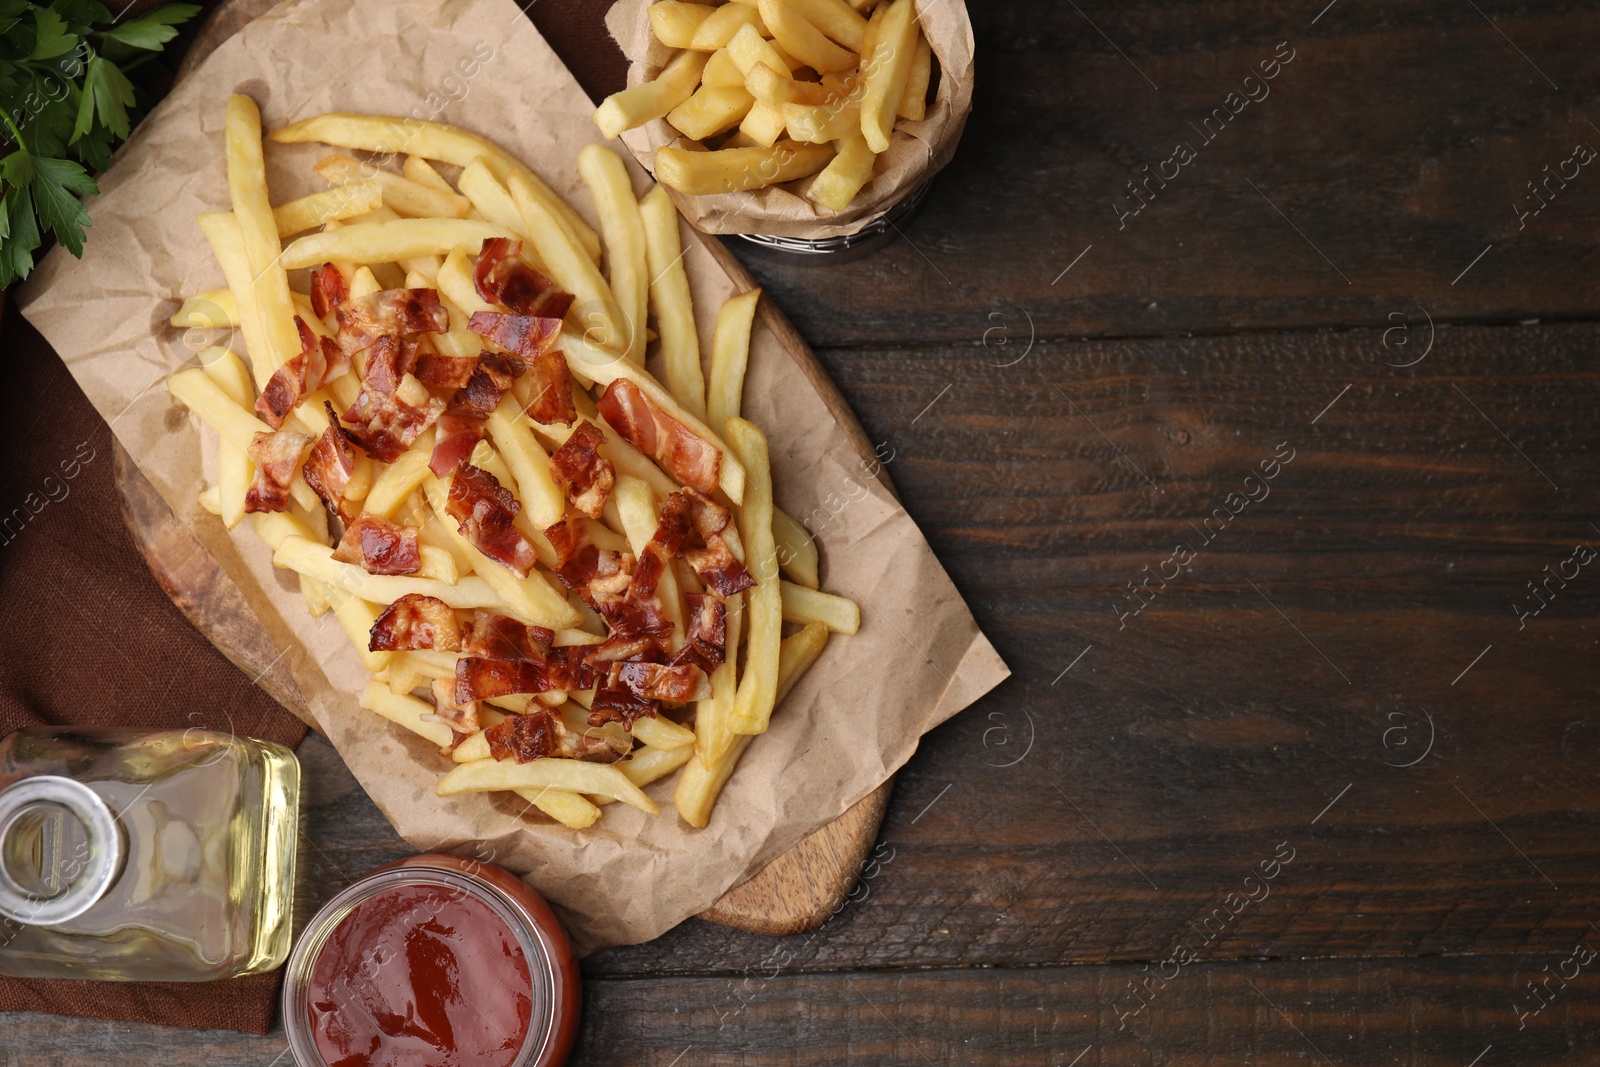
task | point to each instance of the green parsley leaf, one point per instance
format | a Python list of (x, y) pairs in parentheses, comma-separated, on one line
[(151, 31), (51, 38)]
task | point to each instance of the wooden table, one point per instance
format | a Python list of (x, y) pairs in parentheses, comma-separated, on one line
[(1317, 793)]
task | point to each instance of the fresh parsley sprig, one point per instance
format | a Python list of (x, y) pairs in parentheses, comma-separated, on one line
[(66, 100)]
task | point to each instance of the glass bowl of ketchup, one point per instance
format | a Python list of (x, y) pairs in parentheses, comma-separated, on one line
[(433, 960)]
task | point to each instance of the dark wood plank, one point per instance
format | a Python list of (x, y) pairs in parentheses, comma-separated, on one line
[(1212, 728), (1446, 1012), (1396, 141)]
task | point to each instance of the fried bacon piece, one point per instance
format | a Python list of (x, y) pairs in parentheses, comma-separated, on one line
[(526, 737), (620, 705), (569, 669), (691, 527), (550, 400), (416, 622), (390, 313), (460, 715), (605, 580), (393, 408), (493, 376), (329, 466), (276, 456), (321, 360), (705, 632), (501, 637), (328, 289), (583, 474), (485, 511), (524, 335), (438, 371), (501, 277), (456, 437), (482, 679), (379, 546), (684, 454), (677, 684)]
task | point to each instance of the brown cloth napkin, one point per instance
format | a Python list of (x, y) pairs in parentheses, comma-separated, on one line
[(88, 636)]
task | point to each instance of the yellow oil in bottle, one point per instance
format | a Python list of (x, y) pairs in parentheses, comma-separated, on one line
[(145, 856)]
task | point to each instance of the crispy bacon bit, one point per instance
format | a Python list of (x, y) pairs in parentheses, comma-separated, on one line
[(276, 456), (379, 546), (460, 715), (551, 397), (525, 335), (691, 527), (443, 372), (569, 669), (527, 737), (485, 511), (483, 679), (490, 380), (504, 638), (620, 705), (683, 453), (605, 580), (457, 436), (582, 472), (501, 277), (364, 319), (416, 622), (705, 632), (328, 289), (384, 424), (329, 466), (320, 361), (677, 684)]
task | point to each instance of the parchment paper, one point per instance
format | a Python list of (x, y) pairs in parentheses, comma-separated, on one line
[(917, 152), (852, 720)]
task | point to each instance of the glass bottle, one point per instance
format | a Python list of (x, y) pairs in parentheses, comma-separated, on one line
[(145, 855)]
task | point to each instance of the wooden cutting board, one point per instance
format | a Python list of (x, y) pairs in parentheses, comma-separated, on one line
[(797, 892)]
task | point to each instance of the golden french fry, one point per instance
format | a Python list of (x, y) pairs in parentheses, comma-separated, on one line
[(235, 470), (400, 194), (835, 18), (639, 104), (214, 309), (803, 40), (431, 140), (564, 806), (221, 230), (491, 198), (636, 506), (247, 188), (528, 462), (730, 354), (748, 50), (649, 765), (802, 605), (674, 308), (623, 229), (391, 487), (422, 172), (817, 123), (702, 780), (210, 499), (316, 560), (752, 707), (674, 23), (797, 549), (843, 178), (720, 26), (721, 70), (482, 776), (776, 87), (596, 307), (712, 734), (887, 72), (763, 124), (733, 169), (356, 617), (406, 711), (386, 242), (710, 111), (914, 102), (659, 732), (309, 212)]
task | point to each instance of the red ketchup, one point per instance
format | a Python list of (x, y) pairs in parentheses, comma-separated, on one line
[(433, 962)]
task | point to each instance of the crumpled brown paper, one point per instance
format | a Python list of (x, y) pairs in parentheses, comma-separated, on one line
[(918, 151), (851, 721)]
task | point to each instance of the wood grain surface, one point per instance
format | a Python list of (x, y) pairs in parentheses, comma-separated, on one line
[(1340, 673)]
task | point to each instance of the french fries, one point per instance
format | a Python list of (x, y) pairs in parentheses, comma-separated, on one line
[(431, 518), (786, 73)]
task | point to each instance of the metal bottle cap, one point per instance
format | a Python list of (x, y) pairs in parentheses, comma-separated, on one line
[(67, 837)]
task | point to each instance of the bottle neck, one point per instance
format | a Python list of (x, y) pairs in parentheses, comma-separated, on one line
[(61, 849)]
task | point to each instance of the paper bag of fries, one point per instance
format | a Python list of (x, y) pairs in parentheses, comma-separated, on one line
[(794, 118)]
